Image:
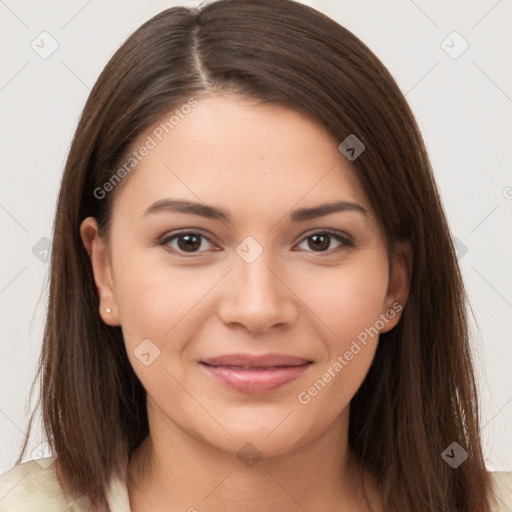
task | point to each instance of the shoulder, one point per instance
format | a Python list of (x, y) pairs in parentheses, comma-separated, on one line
[(34, 487), (502, 486)]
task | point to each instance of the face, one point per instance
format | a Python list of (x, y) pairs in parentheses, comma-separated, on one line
[(250, 312)]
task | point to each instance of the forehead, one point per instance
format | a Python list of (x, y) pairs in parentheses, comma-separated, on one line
[(248, 157)]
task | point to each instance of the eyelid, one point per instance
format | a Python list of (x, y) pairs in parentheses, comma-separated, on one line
[(346, 241), (186, 231), (327, 231)]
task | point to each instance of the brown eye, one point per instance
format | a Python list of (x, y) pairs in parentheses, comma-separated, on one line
[(186, 242), (189, 242), (321, 241)]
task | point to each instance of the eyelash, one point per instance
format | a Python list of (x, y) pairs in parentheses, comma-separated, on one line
[(343, 239)]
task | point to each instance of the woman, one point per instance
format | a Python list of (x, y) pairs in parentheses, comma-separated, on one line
[(255, 302)]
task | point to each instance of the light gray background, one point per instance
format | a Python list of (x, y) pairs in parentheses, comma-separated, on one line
[(463, 106)]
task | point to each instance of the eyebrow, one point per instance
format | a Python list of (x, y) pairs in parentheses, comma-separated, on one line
[(211, 212)]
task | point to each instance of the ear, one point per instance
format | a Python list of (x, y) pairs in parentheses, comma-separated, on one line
[(398, 285), (99, 253)]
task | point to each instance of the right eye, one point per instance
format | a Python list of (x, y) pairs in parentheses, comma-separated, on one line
[(186, 242)]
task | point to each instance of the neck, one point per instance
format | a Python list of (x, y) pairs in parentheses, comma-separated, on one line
[(172, 470)]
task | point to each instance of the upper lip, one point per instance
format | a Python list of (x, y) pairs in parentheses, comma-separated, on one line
[(255, 361)]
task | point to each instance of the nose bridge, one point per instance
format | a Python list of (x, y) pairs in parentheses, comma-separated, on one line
[(258, 281), (257, 297), (253, 263)]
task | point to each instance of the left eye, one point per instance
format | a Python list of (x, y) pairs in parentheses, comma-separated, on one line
[(321, 241)]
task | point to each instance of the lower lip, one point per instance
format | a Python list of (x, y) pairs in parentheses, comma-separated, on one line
[(255, 380)]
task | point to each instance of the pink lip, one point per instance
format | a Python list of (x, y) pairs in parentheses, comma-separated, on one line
[(255, 374)]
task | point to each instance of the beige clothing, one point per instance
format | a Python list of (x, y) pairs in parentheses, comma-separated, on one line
[(33, 487)]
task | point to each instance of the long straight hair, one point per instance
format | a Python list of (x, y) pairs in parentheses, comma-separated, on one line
[(419, 395)]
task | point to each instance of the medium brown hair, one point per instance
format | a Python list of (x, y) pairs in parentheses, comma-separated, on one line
[(419, 395)]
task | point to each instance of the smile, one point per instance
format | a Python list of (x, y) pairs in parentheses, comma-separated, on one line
[(255, 374)]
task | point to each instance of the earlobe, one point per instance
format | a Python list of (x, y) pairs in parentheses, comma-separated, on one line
[(398, 286), (98, 252)]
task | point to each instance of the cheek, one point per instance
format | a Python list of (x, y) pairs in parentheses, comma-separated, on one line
[(349, 304), (348, 300), (331, 389), (155, 305), (351, 311), (161, 303)]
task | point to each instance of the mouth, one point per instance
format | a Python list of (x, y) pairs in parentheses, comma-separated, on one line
[(255, 374)]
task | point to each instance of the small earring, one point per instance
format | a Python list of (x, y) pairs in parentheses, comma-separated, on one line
[(108, 310)]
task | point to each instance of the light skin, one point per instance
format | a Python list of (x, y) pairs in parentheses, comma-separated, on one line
[(302, 296)]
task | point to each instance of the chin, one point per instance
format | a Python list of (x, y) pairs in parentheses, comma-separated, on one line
[(267, 436)]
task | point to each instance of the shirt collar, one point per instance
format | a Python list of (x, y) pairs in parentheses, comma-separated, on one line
[(117, 495)]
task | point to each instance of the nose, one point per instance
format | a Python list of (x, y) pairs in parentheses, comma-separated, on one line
[(257, 296)]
